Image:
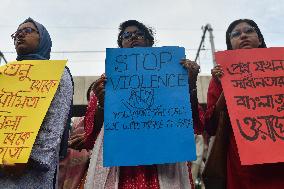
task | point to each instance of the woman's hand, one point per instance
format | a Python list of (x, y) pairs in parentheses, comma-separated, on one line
[(99, 89), (193, 70), (77, 141), (217, 72)]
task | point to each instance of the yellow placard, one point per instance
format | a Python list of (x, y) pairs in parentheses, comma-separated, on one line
[(26, 91)]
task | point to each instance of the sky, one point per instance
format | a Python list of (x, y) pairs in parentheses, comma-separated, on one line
[(82, 30)]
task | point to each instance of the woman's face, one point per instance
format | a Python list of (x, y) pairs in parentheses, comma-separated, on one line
[(26, 39), (244, 36), (133, 37)]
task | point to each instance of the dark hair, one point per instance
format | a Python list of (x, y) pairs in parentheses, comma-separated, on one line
[(149, 34), (251, 23)]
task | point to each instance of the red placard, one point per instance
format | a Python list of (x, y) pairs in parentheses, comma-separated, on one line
[(253, 85)]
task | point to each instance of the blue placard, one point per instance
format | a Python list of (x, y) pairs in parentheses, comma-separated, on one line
[(147, 119)]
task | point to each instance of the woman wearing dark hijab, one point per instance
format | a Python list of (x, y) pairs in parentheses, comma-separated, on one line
[(32, 42), (241, 34)]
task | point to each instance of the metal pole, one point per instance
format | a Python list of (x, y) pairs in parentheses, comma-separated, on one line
[(2, 55), (211, 37), (201, 42)]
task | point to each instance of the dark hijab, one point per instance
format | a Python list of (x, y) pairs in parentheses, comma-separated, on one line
[(43, 50), (251, 23)]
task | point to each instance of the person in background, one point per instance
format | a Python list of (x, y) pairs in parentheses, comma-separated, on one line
[(73, 168), (32, 42), (241, 34), (167, 176)]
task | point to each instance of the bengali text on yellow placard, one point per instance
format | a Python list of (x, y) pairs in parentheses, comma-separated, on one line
[(26, 91)]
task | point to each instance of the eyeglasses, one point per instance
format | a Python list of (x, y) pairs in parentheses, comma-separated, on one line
[(247, 30), (127, 35), (25, 31)]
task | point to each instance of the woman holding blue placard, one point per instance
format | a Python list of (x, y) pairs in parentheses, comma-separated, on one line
[(131, 34), (32, 42), (223, 168)]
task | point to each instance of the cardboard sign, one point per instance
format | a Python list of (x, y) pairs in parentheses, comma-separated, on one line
[(253, 85), (26, 91), (148, 118)]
